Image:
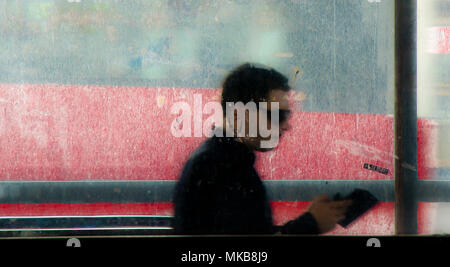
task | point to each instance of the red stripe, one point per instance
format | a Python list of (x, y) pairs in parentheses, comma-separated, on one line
[(86, 209), (438, 40), (55, 132)]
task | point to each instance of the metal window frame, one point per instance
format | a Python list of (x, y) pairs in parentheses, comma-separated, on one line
[(405, 190), (405, 117)]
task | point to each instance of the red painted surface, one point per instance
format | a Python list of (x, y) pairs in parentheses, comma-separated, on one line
[(66, 133), (438, 41), (427, 149), (56, 133), (331, 146), (424, 218), (86, 209)]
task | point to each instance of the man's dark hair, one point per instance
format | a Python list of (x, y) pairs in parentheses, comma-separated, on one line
[(251, 82)]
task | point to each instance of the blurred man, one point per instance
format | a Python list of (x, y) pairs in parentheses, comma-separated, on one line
[(219, 191)]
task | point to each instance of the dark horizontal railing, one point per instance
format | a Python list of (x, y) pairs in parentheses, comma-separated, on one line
[(80, 232), (85, 222), (19, 192)]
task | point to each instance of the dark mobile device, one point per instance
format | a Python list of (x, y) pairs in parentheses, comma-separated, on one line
[(362, 201)]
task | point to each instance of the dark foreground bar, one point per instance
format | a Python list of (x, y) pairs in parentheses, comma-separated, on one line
[(228, 249)]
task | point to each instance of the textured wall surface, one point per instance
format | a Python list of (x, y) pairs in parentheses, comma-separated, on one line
[(55, 132)]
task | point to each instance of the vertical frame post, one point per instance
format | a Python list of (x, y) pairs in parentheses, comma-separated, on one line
[(405, 119)]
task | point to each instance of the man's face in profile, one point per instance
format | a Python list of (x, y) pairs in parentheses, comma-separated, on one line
[(277, 128)]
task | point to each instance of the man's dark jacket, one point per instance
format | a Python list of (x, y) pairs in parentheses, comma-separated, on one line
[(220, 192)]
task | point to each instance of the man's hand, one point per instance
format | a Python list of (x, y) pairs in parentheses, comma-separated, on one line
[(328, 213)]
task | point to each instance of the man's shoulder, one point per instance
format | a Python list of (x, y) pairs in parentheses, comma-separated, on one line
[(205, 153), (206, 162), (203, 156)]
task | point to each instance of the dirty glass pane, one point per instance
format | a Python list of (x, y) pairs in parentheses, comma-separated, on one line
[(433, 108), (86, 89), (433, 92)]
